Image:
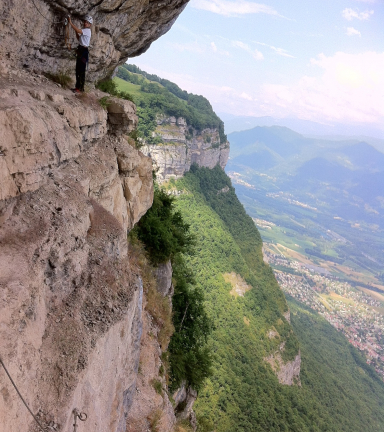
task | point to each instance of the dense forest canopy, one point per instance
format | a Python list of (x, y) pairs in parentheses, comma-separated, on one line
[(338, 392), (160, 96)]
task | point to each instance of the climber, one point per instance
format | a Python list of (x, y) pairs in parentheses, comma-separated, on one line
[(84, 38)]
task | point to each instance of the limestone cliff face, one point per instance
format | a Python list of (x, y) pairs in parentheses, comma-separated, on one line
[(184, 399), (33, 32), (182, 146), (70, 304), (288, 373)]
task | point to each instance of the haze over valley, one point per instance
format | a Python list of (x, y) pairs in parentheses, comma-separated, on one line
[(318, 205)]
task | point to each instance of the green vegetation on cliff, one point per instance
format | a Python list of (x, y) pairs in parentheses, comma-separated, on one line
[(154, 96), (228, 313), (339, 392), (166, 236)]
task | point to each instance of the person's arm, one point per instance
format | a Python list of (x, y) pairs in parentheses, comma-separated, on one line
[(77, 30)]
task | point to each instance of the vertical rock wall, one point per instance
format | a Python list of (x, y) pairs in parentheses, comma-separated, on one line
[(183, 146), (70, 305)]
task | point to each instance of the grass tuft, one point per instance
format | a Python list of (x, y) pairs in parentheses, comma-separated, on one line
[(154, 420), (156, 384), (104, 102), (61, 78)]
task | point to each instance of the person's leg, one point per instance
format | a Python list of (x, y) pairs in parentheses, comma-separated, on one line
[(78, 71), (82, 68)]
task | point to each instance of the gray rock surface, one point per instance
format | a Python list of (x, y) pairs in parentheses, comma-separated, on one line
[(180, 149), (70, 306), (184, 399), (33, 33), (164, 279), (288, 373)]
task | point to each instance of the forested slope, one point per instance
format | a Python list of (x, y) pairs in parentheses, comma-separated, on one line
[(339, 392)]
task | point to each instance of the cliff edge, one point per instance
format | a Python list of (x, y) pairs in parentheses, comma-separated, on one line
[(70, 304)]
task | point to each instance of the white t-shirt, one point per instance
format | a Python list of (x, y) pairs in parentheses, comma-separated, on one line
[(85, 38)]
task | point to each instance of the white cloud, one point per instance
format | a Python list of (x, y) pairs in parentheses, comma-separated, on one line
[(279, 51), (233, 7), (349, 14), (353, 32), (256, 54), (190, 46), (241, 45), (350, 89), (214, 47), (343, 88), (246, 96)]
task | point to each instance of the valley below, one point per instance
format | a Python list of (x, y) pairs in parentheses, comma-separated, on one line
[(324, 242)]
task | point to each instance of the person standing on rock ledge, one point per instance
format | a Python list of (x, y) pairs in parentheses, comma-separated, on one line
[(84, 38)]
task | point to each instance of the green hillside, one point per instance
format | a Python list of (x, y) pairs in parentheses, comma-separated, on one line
[(228, 310), (339, 391), (154, 95)]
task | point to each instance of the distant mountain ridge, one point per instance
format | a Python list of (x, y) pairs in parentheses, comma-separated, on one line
[(335, 131), (313, 167)]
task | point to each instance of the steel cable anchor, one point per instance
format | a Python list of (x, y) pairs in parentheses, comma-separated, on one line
[(78, 415)]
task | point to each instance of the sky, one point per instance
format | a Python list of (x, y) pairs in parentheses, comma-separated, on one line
[(321, 60)]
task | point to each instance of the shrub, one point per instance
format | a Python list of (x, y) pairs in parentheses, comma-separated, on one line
[(156, 384), (183, 426), (109, 86), (163, 231), (136, 138), (154, 419), (104, 102), (189, 357), (166, 236), (61, 78), (125, 95)]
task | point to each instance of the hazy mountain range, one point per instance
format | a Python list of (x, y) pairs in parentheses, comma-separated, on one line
[(346, 175), (331, 131)]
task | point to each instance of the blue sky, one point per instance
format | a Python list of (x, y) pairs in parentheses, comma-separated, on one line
[(321, 61)]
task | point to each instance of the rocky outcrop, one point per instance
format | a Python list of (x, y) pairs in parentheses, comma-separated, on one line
[(182, 146), (59, 136), (184, 399), (33, 33), (164, 279), (288, 373), (70, 304), (151, 408), (287, 316)]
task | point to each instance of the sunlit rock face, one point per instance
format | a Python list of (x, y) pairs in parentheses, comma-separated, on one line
[(71, 186), (183, 146), (33, 33), (288, 373)]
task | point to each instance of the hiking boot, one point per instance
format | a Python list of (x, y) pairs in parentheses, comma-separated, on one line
[(76, 90)]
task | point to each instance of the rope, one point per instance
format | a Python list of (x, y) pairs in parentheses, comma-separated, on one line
[(64, 21), (21, 397), (48, 19), (67, 41)]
